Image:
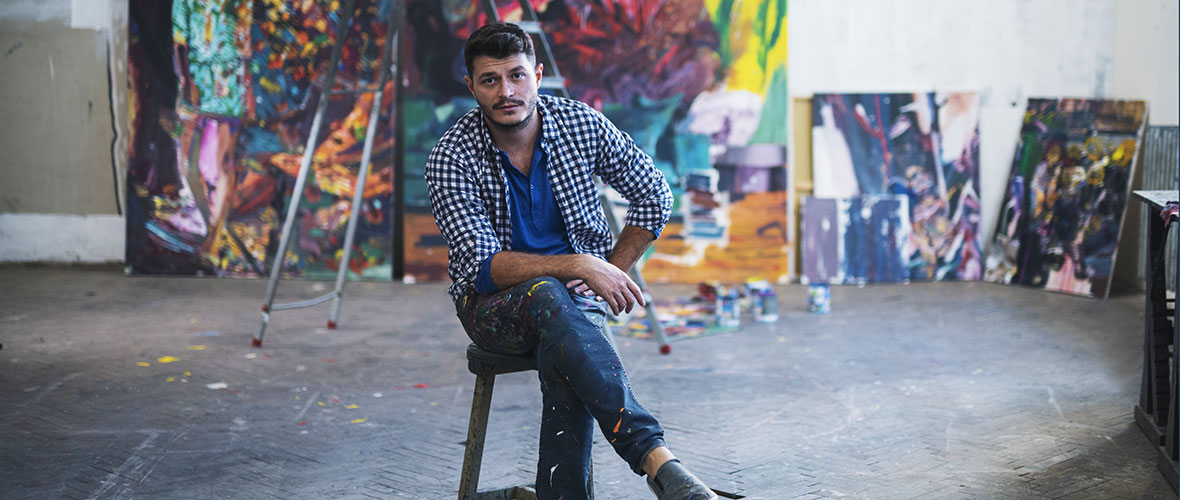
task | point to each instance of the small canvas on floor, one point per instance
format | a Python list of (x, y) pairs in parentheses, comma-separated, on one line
[(1066, 196), (856, 240)]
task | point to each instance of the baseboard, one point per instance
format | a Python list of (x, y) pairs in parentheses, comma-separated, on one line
[(60, 238)]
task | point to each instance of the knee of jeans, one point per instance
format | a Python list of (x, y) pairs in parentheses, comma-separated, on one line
[(547, 291)]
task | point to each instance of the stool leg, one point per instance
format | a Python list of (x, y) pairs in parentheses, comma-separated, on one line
[(477, 426)]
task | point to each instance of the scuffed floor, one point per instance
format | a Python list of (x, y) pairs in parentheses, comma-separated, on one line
[(115, 387)]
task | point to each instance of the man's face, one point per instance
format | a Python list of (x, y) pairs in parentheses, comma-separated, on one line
[(506, 89)]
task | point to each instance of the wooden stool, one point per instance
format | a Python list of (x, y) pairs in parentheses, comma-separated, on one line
[(486, 365)]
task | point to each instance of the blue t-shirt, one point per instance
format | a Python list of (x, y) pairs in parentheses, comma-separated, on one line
[(537, 226)]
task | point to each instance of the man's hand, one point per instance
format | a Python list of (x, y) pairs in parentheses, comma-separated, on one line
[(630, 246), (610, 283)]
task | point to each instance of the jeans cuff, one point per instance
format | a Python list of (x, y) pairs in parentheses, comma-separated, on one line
[(656, 443)]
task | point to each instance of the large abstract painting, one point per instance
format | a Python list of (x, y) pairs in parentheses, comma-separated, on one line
[(223, 97), (856, 240), (700, 85), (923, 146), (1066, 196)]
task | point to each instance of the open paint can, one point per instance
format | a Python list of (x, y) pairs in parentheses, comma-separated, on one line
[(819, 299)]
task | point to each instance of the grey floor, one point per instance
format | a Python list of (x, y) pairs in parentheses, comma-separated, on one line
[(924, 391)]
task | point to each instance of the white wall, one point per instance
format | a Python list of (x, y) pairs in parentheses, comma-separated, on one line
[(1007, 50), (62, 98), (1147, 56)]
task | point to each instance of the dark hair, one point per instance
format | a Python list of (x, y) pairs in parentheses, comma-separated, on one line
[(498, 40)]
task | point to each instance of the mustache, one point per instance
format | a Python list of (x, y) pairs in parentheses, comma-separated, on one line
[(508, 102)]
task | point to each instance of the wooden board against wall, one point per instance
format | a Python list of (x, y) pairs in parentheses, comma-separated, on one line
[(800, 167)]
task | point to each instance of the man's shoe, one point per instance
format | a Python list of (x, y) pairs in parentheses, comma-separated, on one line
[(674, 482)]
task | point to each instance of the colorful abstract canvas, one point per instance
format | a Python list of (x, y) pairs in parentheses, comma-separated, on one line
[(223, 97), (856, 240), (1066, 196), (700, 85), (924, 146)]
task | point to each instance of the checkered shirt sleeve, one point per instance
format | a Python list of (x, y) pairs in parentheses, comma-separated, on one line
[(460, 209), (626, 168)]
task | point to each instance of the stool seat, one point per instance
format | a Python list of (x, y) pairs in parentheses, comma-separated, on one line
[(486, 365), (480, 361)]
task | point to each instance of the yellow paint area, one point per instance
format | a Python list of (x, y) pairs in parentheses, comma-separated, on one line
[(539, 283), (142, 363), (745, 42), (269, 85), (168, 359)]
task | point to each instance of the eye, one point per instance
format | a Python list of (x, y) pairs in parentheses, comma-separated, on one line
[(518, 75), (488, 81)]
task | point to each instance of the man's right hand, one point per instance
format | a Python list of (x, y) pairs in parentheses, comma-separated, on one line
[(610, 283)]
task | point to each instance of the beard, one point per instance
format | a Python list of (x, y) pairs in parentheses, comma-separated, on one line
[(528, 105)]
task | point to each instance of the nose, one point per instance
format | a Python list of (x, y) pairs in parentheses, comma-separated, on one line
[(505, 90)]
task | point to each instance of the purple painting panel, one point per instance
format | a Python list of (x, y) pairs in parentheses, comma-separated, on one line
[(821, 241)]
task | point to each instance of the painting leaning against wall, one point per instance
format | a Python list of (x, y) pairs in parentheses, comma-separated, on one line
[(924, 146), (700, 85), (1066, 195), (223, 97)]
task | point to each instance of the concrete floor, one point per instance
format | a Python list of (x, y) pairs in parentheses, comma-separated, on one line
[(930, 391)]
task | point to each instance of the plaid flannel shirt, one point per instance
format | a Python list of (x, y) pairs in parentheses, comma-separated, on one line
[(469, 189)]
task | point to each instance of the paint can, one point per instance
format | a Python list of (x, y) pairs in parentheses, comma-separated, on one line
[(728, 308), (751, 292), (767, 307), (819, 299)]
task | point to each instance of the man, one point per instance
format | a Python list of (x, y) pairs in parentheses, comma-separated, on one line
[(531, 260)]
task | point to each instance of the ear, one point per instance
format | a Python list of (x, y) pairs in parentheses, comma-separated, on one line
[(540, 68), (470, 85)]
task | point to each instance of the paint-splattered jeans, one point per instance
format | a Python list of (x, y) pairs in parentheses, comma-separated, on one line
[(582, 378)]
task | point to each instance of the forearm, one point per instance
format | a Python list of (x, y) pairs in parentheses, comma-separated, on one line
[(580, 272), (509, 268), (632, 242)]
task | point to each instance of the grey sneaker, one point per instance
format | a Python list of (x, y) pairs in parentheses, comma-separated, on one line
[(674, 482)]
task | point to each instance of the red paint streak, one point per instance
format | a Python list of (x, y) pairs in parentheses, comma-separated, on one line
[(302, 423), (664, 60), (420, 386), (329, 360)]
